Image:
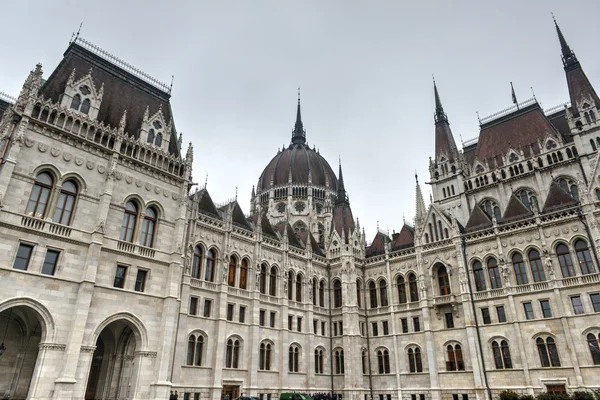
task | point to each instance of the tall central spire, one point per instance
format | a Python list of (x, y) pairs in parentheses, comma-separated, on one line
[(342, 197), (568, 56), (298, 134), (440, 115)]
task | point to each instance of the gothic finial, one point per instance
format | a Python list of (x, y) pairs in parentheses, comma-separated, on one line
[(236, 193), (123, 121), (189, 155), (101, 91), (253, 193), (71, 78), (440, 115), (206, 181), (298, 134), (146, 114), (568, 56), (180, 141)]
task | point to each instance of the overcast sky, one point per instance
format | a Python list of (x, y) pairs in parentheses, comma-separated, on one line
[(364, 68)]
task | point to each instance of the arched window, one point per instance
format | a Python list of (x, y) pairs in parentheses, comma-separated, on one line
[(244, 274), (197, 262), (412, 288), (373, 294), (273, 282), (494, 273), (232, 354), (66, 203), (211, 258), (365, 363), (584, 257), (401, 289), (415, 364), (383, 361), (85, 106), (501, 354), (290, 284), (299, 288), (548, 352), (151, 136), (339, 361), (569, 186), (528, 199), (76, 102), (383, 293), (129, 221), (520, 270), (158, 140), (337, 293), (264, 362), (564, 259), (40, 194), (319, 361), (195, 352), (322, 294), (262, 284), (232, 271), (454, 356), (491, 208), (149, 228), (294, 356), (358, 293), (537, 269), (314, 291), (443, 281), (592, 341), (479, 276)]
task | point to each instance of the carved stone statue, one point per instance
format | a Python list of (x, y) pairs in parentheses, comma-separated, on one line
[(549, 266)]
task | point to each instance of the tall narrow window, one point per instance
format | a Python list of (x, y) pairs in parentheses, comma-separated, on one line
[(262, 281), (537, 269), (148, 228), (232, 271), (564, 259), (547, 352), (373, 294), (85, 106), (358, 293), (314, 291), (293, 358), (337, 293), (40, 194), (494, 272), (383, 361), (413, 289), (298, 288), (364, 362), (519, 267), (211, 258), (23, 257), (49, 266), (321, 294), (290, 285), (592, 341), (120, 276), (129, 221), (454, 358), (150, 136), (401, 289), (244, 274), (584, 257), (265, 357), (140, 280), (501, 354), (197, 262), (76, 102), (339, 361), (273, 282), (383, 293), (158, 140), (444, 281), (479, 276), (318, 361), (65, 204), (195, 350)]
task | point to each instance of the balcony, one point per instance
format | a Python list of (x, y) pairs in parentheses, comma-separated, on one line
[(135, 249), (444, 300), (581, 280)]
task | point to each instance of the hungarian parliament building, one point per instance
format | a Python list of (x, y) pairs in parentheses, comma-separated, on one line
[(122, 280)]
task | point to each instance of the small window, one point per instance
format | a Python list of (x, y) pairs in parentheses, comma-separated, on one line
[(299, 324), (23, 257), (577, 305), (341, 324), (40, 194), (140, 280), (416, 324), (207, 307), (595, 298), (85, 106), (528, 310), (49, 266), (485, 315), (337, 293), (242, 316), (375, 331), (193, 305), (385, 327), (546, 310), (323, 328), (315, 326), (501, 314), (290, 322), (120, 275), (65, 204), (404, 323), (272, 319), (149, 228), (449, 320), (129, 221), (158, 140), (261, 318), (76, 102), (230, 308)]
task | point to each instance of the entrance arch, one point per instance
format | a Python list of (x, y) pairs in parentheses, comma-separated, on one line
[(22, 328), (114, 365)]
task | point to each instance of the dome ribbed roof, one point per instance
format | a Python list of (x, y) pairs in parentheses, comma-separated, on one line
[(299, 159)]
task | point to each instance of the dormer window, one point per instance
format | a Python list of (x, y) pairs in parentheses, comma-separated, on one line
[(85, 90), (155, 135), (78, 104)]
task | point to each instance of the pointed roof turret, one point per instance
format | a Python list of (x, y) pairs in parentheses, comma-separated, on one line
[(342, 196), (444, 140), (421, 211), (298, 134), (568, 55)]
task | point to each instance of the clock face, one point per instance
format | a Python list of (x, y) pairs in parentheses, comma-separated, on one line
[(281, 207), (299, 206)]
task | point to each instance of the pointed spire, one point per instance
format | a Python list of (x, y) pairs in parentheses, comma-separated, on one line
[(568, 56), (298, 134), (71, 79), (341, 190), (440, 115), (189, 158), (123, 121), (421, 211)]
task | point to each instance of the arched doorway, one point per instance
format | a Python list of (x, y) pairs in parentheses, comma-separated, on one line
[(21, 330), (113, 369)]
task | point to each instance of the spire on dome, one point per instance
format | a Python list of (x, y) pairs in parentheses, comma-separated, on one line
[(421, 211), (298, 134), (444, 140), (440, 115), (568, 56), (342, 197)]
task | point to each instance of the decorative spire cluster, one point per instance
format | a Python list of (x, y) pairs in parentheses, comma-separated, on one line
[(421, 211), (298, 134), (568, 56)]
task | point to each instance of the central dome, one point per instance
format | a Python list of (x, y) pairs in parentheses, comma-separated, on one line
[(297, 160)]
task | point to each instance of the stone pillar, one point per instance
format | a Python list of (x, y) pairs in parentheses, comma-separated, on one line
[(12, 154)]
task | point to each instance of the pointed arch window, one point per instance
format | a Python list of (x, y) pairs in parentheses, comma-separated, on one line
[(129, 221), (358, 293), (454, 358), (413, 289), (383, 293), (151, 136), (584, 257), (197, 262), (401, 289), (548, 352), (528, 199), (383, 361), (76, 102), (501, 354), (319, 361), (415, 363), (85, 106), (244, 274), (158, 140), (290, 284), (298, 288), (264, 362), (337, 293), (149, 228), (479, 276), (443, 281), (592, 342), (339, 361), (66, 203), (322, 294), (232, 354), (40, 194), (569, 186), (364, 362), (373, 294), (273, 282), (314, 291), (492, 209), (537, 269), (195, 352), (294, 358), (232, 271), (211, 259), (564, 259), (520, 270), (494, 273), (262, 284)]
